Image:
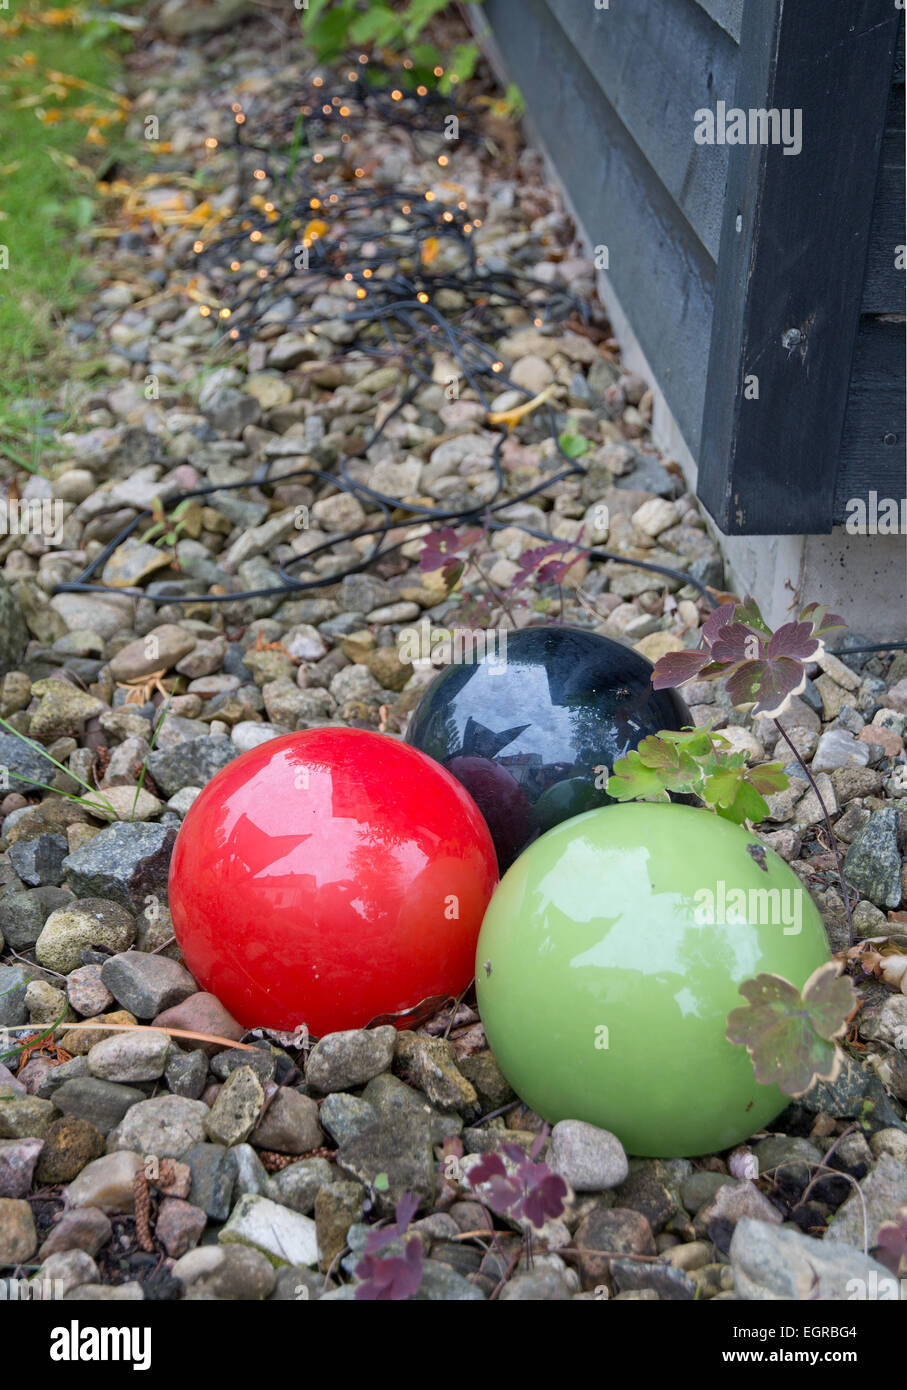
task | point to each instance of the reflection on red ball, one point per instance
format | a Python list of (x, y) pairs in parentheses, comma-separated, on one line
[(328, 877)]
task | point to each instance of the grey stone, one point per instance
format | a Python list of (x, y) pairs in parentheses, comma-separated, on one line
[(191, 763), (298, 1184), (283, 1235), (165, 1126), (236, 1109), (341, 1060), (589, 1158), (225, 1273), (264, 1064), (251, 1174), (13, 632), (146, 984), (138, 1056), (23, 914), (289, 1124), (186, 1072), (344, 1116), (872, 864), (776, 1263), (536, 1285), (27, 764), (104, 1103), (73, 929), (124, 862), (213, 1170), (39, 861)]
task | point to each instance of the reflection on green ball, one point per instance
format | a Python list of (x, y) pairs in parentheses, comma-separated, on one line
[(610, 957)]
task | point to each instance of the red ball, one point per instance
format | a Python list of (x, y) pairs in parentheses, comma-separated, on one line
[(328, 877)]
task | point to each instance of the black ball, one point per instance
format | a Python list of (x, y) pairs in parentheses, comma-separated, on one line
[(533, 729)]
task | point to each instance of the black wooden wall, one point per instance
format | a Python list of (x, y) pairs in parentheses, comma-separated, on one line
[(716, 251)]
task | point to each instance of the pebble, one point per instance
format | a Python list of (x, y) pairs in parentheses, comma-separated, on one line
[(837, 748), (282, 1235), (235, 1112), (229, 1271), (165, 1126), (341, 1060), (290, 1124), (146, 985), (17, 1165), (139, 1056), (69, 1144), (71, 930), (18, 1236), (589, 1158), (107, 1183), (82, 1228), (104, 1103)]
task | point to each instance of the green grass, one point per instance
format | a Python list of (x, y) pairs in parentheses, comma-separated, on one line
[(49, 160)]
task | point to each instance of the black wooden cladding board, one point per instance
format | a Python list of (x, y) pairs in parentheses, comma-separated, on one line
[(727, 13), (873, 443), (657, 65), (769, 466), (883, 288), (662, 274)]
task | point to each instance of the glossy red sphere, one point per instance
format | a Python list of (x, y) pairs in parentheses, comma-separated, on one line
[(328, 877)]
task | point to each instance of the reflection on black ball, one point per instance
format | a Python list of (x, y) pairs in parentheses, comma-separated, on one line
[(533, 731)]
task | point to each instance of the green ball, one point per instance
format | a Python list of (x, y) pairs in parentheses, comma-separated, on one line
[(610, 957)]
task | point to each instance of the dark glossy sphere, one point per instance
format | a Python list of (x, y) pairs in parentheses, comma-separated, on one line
[(526, 730)]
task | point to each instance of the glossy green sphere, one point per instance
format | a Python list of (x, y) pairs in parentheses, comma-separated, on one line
[(609, 958)]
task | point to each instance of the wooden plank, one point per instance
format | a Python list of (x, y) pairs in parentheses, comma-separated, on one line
[(883, 287), (661, 273), (872, 446), (727, 13), (791, 265), (657, 65)]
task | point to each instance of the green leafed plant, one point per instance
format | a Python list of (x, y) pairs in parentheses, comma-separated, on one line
[(792, 1036), (333, 28), (694, 762)]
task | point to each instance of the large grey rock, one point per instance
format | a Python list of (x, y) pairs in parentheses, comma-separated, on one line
[(191, 763), (872, 864), (775, 1263), (124, 862), (213, 1170)]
